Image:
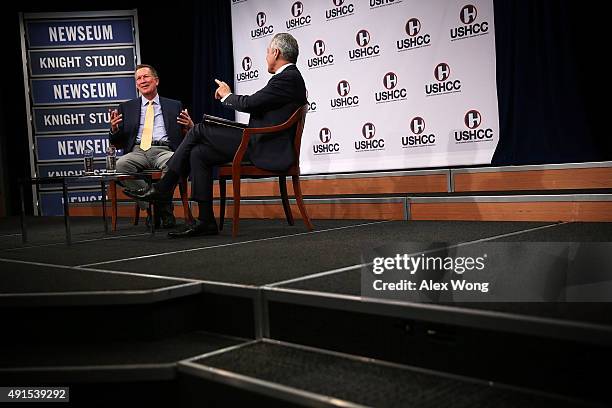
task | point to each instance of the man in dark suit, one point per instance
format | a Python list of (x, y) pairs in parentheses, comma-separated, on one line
[(149, 129), (208, 145)]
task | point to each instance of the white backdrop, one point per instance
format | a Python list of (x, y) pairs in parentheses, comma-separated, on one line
[(392, 84)]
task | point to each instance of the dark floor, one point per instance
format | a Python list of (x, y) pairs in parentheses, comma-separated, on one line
[(268, 257), (373, 385), (266, 252)]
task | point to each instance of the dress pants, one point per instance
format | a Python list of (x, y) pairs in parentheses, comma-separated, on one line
[(156, 158), (203, 147)]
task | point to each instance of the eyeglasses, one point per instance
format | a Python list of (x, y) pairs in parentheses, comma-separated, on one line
[(145, 76)]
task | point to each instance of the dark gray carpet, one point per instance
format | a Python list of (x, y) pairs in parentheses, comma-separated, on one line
[(274, 260), (129, 246), (51, 230), (265, 262), (365, 382), (349, 283), (168, 350), (571, 232), (26, 278)]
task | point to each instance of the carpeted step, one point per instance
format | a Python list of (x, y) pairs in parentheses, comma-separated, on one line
[(133, 360), (113, 373), (52, 304), (294, 375)]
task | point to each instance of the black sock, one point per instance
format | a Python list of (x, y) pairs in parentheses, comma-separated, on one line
[(168, 181), (206, 214)]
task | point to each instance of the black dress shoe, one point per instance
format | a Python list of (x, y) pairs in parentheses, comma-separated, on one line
[(150, 194), (196, 229)]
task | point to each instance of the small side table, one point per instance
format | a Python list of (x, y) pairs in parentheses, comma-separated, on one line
[(103, 178)]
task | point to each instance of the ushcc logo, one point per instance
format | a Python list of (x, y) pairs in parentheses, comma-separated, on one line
[(325, 135), (472, 119), (442, 71), (417, 125), (343, 88), (468, 14), (247, 63), (261, 19)]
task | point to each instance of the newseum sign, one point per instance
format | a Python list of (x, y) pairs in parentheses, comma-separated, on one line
[(78, 66), (392, 84)]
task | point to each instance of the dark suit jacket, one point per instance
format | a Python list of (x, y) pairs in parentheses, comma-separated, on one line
[(270, 106), (128, 130)]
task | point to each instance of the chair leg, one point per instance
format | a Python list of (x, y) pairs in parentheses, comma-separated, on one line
[(136, 214), (185, 201), (112, 193), (297, 190), (222, 193), (236, 220), (282, 184)]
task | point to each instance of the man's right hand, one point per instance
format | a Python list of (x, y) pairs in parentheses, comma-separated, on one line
[(115, 120), (222, 90)]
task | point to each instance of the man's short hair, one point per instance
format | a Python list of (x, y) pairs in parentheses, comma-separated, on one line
[(287, 45), (153, 70)]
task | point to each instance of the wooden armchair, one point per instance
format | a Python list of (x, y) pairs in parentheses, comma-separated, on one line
[(155, 175), (238, 169)]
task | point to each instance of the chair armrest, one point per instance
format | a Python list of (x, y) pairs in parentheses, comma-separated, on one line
[(244, 144), (246, 135), (271, 129)]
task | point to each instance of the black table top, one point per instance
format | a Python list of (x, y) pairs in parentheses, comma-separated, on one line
[(87, 177)]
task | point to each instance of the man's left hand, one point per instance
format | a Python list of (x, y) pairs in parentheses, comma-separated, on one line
[(184, 119)]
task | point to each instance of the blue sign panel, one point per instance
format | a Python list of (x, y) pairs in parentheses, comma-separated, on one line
[(80, 66), (92, 61), (79, 32), (73, 119), (79, 90), (52, 203), (71, 147), (69, 169)]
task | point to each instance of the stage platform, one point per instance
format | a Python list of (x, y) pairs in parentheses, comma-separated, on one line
[(573, 192), (257, 317)]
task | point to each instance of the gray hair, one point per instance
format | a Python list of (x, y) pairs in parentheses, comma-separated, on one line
[(287, 45)]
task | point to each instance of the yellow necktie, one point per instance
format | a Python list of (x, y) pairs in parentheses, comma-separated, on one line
[(147, 131)]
